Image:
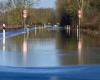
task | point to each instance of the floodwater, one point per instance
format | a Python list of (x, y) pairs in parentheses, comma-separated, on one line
[(50, 48)]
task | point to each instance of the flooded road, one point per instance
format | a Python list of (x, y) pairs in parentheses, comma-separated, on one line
[(50, 48)]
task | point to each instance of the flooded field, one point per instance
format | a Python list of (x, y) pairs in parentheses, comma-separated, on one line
[(50, 48)]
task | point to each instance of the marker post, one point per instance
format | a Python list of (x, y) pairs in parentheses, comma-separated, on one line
[(4, 36)]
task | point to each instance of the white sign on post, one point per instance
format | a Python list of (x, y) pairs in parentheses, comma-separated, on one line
[(80, 14), (25, 13)]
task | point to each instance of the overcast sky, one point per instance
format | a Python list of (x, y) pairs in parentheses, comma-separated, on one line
[(44, 3)]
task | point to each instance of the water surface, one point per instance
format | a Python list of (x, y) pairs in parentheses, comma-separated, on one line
[(50, 48)]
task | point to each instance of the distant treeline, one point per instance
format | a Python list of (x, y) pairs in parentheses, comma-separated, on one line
[(90, 8), (66, 12), (11, 13), (35, 16)]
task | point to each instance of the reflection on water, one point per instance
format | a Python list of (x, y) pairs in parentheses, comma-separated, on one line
[(50, 48), (80, 50), (4, 40), (25, 47)]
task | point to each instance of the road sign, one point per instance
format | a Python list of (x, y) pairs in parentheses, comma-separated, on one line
[(80, 14), (25, 13), (4, 25)]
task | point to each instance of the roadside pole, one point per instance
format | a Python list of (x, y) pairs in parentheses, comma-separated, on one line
[(80, 15), (25, 15), (4, 39)]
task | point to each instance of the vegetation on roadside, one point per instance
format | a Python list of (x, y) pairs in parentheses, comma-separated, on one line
[(11, 12), (90, 8)]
